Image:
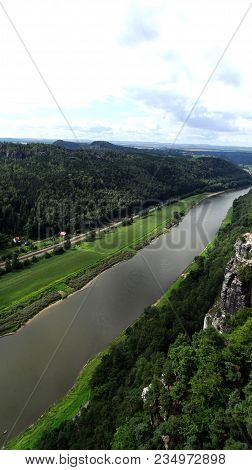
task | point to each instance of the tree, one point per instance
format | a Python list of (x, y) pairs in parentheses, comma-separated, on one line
[(67, 244), (128, 221), (91, 236), (16, 264), (4, 240), (8, 266), (58, 250)]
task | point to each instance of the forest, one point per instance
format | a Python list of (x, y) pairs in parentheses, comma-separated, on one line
[(236, 155), (169, 384), (45, 189)]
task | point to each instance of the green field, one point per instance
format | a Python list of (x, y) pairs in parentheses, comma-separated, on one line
[(69, 406), (38, 245), (20, 286)]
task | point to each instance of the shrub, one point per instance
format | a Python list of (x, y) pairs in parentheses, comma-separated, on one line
[(8, 266), (58, 250), (127, 222), (67, 244), (91, 236)]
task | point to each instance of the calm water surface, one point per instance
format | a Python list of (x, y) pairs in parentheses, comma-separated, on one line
[(39, 363)]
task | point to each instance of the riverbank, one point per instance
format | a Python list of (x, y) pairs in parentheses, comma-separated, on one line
[(49, 281), (66, 408), (69, 406)]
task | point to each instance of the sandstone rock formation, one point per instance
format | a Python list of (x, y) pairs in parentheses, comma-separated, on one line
[(236, 289)]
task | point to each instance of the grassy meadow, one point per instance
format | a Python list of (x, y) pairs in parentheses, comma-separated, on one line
[(69, 405), (20, 286)]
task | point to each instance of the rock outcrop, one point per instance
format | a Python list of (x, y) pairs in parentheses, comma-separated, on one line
[(236, 290)]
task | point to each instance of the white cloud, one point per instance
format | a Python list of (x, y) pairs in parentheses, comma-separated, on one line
[(139, 26), (157, 53)]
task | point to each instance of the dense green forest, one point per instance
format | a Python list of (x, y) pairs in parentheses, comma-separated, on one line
[(46, 188), (235, 155), (199, 389)]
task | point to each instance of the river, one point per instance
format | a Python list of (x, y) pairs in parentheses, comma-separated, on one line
[(40, 362)]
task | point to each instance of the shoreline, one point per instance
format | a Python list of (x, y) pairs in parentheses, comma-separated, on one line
[(111, 262), (78, 386)]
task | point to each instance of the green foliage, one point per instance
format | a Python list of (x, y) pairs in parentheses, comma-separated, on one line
[(199, 387), (245, 274), (26, 263), (67, 244), (44, 188), (88, 258), (4, 241), (91, 236), (59, 250), (8, 266), (128, 221), (18, 316)]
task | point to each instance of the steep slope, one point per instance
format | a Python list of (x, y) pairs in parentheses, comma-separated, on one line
[(169, 383), (58, 189), (236, 289)]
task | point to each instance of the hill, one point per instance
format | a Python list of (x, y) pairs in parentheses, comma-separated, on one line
[(45, 189), (239, 156), (69, 145), (169, 384), (103, 145)]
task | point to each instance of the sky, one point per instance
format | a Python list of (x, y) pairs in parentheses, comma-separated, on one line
[(128, 70)]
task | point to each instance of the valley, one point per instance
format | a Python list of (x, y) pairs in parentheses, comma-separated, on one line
[(90, 333)]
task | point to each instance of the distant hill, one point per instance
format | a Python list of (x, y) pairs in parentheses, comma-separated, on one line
[(97, 144), (69, 145), (119, 182), (239, 156), (102, 144)]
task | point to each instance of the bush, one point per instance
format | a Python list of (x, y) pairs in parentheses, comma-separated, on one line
[(16, 264), (58, 251), (144, 213), (8, 266), (91, 236), (245, 274), (67, 244), (26, 263), (127, 222)]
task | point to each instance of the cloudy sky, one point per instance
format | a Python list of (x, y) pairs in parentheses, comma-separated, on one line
[(126, 70)]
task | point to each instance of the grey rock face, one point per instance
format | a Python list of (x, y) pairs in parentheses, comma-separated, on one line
[(235, 292)]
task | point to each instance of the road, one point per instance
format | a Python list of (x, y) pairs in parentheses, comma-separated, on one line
[(75, 239), (78, 238)]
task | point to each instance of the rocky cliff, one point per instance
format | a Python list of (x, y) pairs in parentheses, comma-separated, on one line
[(236, 289)]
